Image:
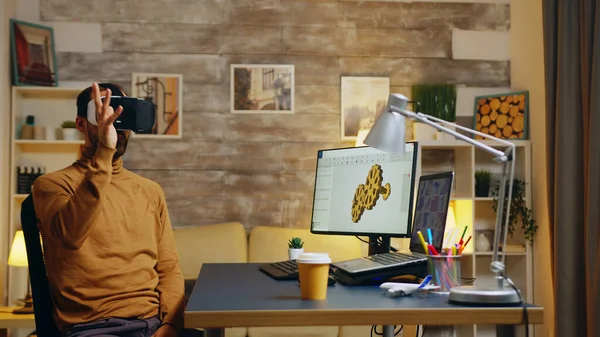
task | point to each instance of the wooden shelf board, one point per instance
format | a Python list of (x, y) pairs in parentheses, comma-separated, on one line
[(38, 92), (47, 142)]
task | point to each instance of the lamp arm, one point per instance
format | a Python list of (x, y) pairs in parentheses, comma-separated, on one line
[(506, 158), (475, 132), (500, 155)]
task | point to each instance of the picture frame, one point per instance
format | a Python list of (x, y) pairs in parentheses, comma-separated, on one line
[(363, 99), (502, 115), (33, 55), (272, 91), (165, 91)]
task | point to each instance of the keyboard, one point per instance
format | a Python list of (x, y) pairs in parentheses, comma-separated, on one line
[(377, 268), (283, 270)]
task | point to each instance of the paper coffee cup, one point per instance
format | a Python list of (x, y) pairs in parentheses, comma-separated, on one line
[(313, 269)]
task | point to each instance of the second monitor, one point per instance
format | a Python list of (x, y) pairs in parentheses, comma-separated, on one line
[(363, 191)]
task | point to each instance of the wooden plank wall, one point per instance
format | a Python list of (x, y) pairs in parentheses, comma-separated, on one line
[(259, 169)]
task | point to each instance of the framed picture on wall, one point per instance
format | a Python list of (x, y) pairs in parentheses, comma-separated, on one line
[(362, 100), (262, 88), (33, 56), (503, 115), (165, 91)]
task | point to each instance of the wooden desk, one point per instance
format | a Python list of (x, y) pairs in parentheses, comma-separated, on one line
[(8, 320), (239, 295)]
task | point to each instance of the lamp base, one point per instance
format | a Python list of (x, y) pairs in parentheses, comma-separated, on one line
[(484, 296), (27, 308), (23, 310)]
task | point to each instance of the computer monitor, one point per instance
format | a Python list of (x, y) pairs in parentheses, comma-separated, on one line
[(431, 210), (363, 191)]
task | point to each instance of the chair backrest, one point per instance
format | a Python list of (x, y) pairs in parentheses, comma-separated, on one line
[(43, 307)]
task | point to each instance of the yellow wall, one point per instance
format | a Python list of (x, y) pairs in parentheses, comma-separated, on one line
[(527, 72)]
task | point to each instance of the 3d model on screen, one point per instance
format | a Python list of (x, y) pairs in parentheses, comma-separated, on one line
[(367, 194)]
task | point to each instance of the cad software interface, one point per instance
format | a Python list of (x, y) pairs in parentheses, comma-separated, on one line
[(363, 190)]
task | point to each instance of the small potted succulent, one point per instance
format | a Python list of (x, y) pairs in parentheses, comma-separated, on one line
[(68, 130), (296, 248), (482, 183)]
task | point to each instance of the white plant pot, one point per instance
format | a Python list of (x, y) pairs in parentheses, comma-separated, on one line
[(439, 135), (295, 253), (422, 131), (70, 134)]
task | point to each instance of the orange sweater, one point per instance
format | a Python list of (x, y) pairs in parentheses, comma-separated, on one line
[(108, 243)]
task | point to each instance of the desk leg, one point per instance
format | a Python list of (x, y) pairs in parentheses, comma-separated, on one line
[(388, 331), (506, 331), (214, 332)]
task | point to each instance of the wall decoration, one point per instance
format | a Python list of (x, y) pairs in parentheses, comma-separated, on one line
[(165, 91), (262, 88), (33, 55), (503, 116), (362, 100)]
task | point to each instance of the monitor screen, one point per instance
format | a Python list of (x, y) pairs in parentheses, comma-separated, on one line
[(431, 209), (364, 191)]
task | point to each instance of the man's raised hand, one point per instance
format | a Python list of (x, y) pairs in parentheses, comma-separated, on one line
[(105, 117)]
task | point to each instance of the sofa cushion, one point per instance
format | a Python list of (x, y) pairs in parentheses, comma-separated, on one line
[(270, 244), (218, 243)]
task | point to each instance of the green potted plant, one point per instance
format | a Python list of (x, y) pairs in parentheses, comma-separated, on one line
[(519, 212), (296, 248), (68, 130), (437, 100), (482, 183)]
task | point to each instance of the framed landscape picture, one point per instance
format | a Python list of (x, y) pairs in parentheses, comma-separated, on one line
[(363, 99), (165, 91), (32, 54), (262, 88), (504, 115)]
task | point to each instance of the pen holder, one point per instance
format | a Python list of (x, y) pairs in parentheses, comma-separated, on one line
[(445, 271)]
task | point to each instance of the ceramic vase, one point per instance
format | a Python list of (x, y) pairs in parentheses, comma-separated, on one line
[(483, 243), (295, 253)]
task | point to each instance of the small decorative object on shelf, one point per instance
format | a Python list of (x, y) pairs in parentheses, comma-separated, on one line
[(26, 176), (69, 131), (27, 128), (482, 183), (519, 212), (296, 248), (482, 243)]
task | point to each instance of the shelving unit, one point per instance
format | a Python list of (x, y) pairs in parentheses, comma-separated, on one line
[(477, 213), (50, 106)]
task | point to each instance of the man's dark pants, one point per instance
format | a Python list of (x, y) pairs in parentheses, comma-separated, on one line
[(122, 327)]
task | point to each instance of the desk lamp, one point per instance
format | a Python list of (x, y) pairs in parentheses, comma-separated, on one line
[(387, 134), (18, 258)]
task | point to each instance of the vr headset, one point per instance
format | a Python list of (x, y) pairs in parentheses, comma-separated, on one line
[(138, 114)]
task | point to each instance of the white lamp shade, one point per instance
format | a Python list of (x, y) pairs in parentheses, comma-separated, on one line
[(387, 134), (18, 252)]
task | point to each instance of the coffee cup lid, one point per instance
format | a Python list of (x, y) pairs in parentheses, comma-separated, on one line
[(314, 258)]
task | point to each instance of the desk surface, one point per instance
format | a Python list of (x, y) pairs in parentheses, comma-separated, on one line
[(8, 320), (239, 295)]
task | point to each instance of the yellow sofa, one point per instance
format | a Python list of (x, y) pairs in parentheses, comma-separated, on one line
[(230, 243)]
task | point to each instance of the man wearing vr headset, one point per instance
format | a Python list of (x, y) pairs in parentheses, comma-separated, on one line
[(112, 264)]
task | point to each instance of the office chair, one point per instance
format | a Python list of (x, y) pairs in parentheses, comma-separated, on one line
[(40, 290)]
